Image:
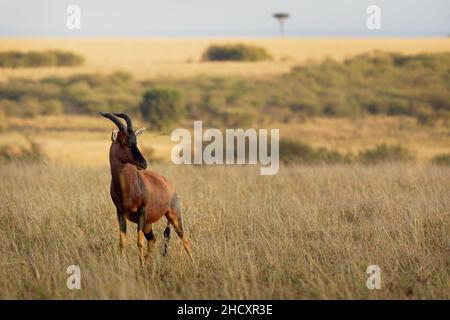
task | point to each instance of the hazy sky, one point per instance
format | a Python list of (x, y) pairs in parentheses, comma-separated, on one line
[(223, 18)]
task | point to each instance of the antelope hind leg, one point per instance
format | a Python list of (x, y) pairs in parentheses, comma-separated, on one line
[(175, 219)]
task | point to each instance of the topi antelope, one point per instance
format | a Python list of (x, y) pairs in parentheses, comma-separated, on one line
[(140, 196)]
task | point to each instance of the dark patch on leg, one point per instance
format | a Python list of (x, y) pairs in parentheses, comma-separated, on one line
[(167, 238), (123, 231), (149, 236), (142, 217), (167, 233), (122, 221), (140, 236)]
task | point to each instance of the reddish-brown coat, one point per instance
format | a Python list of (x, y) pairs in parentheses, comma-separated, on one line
[(132, 188)]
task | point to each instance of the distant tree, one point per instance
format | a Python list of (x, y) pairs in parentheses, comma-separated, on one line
[(161, 106), (235, 52), (281, 17)]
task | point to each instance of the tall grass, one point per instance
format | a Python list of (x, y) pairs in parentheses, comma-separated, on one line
[(308, 232)]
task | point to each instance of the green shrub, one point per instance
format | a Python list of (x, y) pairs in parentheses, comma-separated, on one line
[(67, 59), (297, 152), (17, 59), (441, 159), (399, 107), (120, 78), (235, 52), (38, 59), (161, 106), (426, 116), (385, 153), (9, 107), (3, 122), (29, 106), (78, 92), (10, 59), (51, 107), (305, 106)]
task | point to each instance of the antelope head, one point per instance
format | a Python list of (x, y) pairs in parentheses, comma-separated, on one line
[(124, 141)]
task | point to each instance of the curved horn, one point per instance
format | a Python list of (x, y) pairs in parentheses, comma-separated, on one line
[(115, 120), (127, 120)]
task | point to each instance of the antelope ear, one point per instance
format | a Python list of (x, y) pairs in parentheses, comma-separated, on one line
[(139, 132), (114, 135)]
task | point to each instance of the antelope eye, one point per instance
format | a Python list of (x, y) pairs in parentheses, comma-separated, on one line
[(124, 142)]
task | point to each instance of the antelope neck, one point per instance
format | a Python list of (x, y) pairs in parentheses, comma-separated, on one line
[(117, 170)]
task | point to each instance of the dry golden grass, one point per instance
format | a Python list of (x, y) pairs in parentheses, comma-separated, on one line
[(308, 232), (147, 58)]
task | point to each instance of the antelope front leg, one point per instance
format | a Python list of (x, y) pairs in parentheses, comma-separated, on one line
[(140, 235), (123, 232)]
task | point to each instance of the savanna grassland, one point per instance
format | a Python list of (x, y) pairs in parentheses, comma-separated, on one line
[(364, 179), (309, 232)]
